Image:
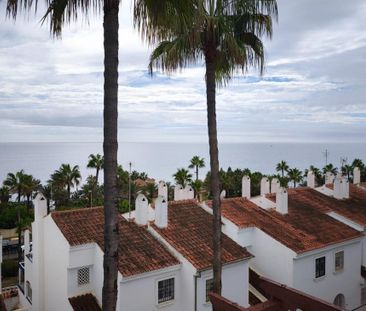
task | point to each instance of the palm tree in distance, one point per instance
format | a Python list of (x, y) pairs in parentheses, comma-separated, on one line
[(329, 168), (16, 183), (31, 185), (66, 177), (182, 177), (282, 167), (197, 163), (58, 13), (295, 175), (96, 161), (226, 34), (4, 194)]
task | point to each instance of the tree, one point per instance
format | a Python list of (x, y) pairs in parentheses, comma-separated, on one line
[(329, 168), (4, 194), (347, 169), (150, 190), (182, 177), (197, 187), (197, 163), (31, 185), (295, 175), (96, 161), (226, 34), (16, 183), (60, 12), (282, 167), (66, 177)]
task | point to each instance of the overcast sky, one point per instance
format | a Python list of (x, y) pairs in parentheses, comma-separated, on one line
[(313, 88)]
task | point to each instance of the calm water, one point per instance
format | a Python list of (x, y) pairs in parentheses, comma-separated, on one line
[(160, 160)]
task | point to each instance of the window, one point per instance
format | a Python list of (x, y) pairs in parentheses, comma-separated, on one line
[(165, 290), (83, 276), (209, 288), (339, 301), (28, 291), (319, 267), (339, 261)]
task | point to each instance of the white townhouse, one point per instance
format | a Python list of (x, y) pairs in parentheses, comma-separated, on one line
[(165, 265), (296, 244)]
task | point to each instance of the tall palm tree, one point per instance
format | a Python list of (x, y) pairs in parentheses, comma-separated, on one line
[(66, 177), (329, 168), (31, 185), (197, 187), (295, 175), (58, 13), (282, 167), (16, 183), (226, 34), (197, 163), (182, 177), (96, 161)]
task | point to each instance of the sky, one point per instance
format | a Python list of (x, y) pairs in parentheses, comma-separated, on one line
[(313, 88)]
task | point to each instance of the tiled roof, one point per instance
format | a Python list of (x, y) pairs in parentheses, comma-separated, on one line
[(85, 302), (139, 251), (304, 228), (189, 231)]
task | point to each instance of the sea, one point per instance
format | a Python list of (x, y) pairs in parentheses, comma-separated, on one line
[(161, 160)]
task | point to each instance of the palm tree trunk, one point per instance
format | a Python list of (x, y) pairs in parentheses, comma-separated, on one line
[(68, 192), (110, 147), (214, 166), (196, 172), (97, 176)]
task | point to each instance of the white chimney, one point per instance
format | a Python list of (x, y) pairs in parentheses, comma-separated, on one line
[(245, 187), (178, 193), (40, 207), (223, 194), (188, 193), (282, 201), (161, 212), (356, 176), (311, 179), (163, 189), (141, 210), (329, 178), (264, 186), (338, 188), (275, 185), (345, 188)]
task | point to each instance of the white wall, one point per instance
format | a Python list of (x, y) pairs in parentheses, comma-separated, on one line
[(346, 282)]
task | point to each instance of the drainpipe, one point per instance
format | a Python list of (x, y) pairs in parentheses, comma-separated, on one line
[(196, 276)]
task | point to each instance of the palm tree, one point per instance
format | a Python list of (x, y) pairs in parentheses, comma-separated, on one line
[(96, 161), (4, 194), (226, 34), (197, 187), (329, 168), (60, 12), (16, 183), (197, 162), (282, 167), (149, 190), (295, 175), (358, 163), (347, 169), (31, 185), (182, 177), (66, 177)]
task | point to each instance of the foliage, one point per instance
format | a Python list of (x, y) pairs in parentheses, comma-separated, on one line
[(197, 163), (96, 161), (66, 177), (123, 206), (294, 175), (4, 194), (182, 177), (9, 214), (282, 167)]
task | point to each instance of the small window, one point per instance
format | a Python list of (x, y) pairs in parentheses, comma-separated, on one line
[(319, 267), (83, 276), (28, 291), (339, 261), (165, 290), (209, 288)]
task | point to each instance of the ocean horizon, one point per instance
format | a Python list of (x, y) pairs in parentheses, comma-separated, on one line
[(161, 160)]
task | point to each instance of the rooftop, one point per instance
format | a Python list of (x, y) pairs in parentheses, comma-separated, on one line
[(190, 233), (139, 251), (303, 229), (85, 302)]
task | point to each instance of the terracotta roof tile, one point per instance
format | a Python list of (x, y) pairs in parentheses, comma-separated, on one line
[(304, 228), (139, 251), (190, 233), (85, 302)]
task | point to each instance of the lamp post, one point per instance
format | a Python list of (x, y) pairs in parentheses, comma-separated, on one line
[(129, 191)]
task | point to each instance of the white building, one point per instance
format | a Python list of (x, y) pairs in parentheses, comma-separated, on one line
[(161, 266), (296, 244)]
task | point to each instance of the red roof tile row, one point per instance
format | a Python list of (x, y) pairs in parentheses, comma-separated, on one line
[(139, 251), (85, 302)]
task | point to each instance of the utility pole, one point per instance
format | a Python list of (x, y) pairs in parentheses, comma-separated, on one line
[(129, 191)]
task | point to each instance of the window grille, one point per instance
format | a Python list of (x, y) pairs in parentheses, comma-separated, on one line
[(165, 290), (83, 276), (339, 261), (319, 267), (209, 288)]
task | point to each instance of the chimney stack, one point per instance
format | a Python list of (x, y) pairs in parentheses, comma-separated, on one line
[(356, 176), (345, 188), (264, 186), (338, 188), (245, 187), (40, 207), (329, 178), (141, 210), (161, 212), (178, 192), (282, 201), (311, 179), (275, 185), (188, 193), (163, 189)]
